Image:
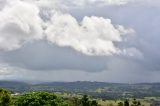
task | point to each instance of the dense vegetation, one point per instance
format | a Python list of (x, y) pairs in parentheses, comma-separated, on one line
[(50, 99), (39, 99), (42, 99), (5, 98), (75, 94)]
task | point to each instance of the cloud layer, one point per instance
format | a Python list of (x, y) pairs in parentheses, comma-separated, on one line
[(99, 40), (16, 26), (99, 2), (93, 36)]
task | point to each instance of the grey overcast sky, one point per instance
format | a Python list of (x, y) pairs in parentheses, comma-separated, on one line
[(80, 40)]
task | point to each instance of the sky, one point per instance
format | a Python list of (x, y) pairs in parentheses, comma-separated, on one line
[(80, 40)]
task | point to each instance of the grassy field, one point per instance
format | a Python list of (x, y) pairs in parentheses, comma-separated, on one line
[(115, 103), (146, 101)]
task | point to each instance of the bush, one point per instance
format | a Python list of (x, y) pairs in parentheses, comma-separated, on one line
[(39, 99), (5, 98)]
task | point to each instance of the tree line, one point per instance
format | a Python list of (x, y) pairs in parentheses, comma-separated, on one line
[(50, 99)]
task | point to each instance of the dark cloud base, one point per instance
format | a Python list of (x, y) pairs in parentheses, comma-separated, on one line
[(41, 56)]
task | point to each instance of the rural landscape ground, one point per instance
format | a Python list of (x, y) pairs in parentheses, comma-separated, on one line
[(106, 94)]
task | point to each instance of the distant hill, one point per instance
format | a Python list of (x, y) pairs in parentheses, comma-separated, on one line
[(94, 89), (15, 86), (74, 86)]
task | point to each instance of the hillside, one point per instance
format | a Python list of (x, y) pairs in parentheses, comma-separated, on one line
[(94, 89)]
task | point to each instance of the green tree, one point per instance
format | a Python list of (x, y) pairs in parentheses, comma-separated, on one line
[(94, 103), (120, 104), (85, 100), (74, 101), (39, 99), (136, 103), (126, 102), (5, 98)]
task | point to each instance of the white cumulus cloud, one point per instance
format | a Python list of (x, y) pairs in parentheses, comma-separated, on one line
[(24, 21), (20, 23), (92, 36), (99, 2)]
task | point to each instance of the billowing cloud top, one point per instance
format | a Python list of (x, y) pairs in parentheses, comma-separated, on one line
[(85, 35), (23, 21), (16, 26), (99, 2)]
